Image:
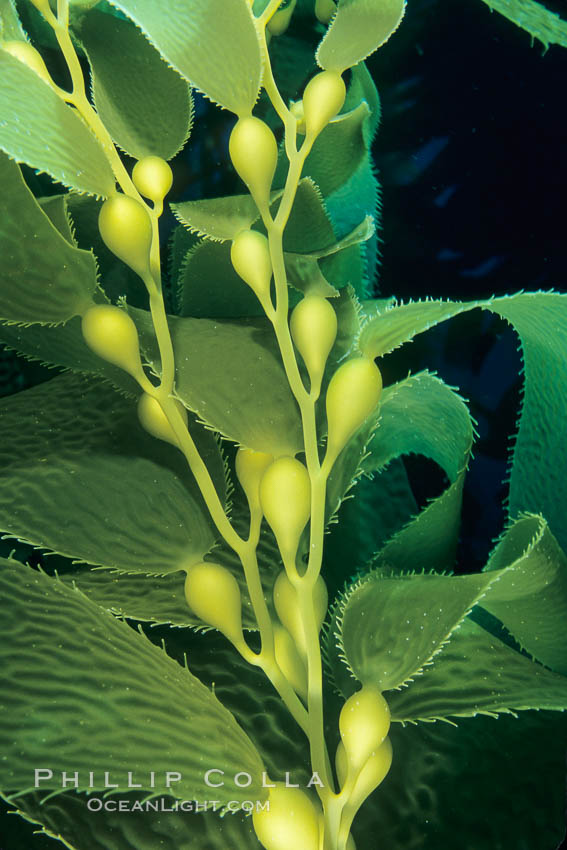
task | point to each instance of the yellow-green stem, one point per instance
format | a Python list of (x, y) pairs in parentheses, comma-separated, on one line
[(249, 559), (317, 744), (63, 12), (155, 259), (317, 527), (333, 811), (306, 402), (79, 100), (286, 693), (163, 336), (266, 659), (201, 473), (288, 120), (269, 12), (245, 551)]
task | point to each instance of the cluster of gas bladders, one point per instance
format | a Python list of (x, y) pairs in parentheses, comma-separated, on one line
[(279, 487)]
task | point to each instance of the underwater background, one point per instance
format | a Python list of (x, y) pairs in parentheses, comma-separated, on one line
[(471, 161)]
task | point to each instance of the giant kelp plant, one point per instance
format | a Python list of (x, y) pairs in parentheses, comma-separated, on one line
[(214, 401)]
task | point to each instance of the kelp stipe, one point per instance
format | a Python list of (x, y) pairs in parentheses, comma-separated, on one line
[(190, 467)]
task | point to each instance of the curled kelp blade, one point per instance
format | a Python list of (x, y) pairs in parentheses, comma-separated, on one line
[(534, 18)]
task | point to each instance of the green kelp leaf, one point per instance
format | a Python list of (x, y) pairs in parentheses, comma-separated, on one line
[(221, 219), (343, 265), (538, 472), (541, 23), (145, 105), (531, 597), (42, 131), (44, 279), (422, 415), (84, 692), (363, 88), (540, 319), (483, 784), (392, 626), (159, 599), (419, 415), (347, 308), (340, 263), (212, 43), (429, 541), (308, 229), (243, 392), (304, 274), (316, 262), (327, 270), (309, 241), (360, 233), (338, 151), (55, 208), (475, 673), (355, 201), (259, 712), (141, 826), (180, 243), (378, 509), (64, 346), (208, 286), (73, 448), (345, 268), (262, 716), (371, 307), (217, 218), (10, 26), (390, 325), (357, 30)]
